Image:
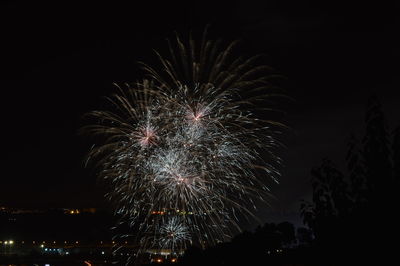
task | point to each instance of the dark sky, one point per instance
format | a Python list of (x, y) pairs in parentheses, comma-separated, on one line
[(58, 60)]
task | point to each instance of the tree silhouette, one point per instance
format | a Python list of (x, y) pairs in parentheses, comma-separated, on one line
[(353, 214), (356, 171), (304, 236), (288, 234), (396, 154), (376, 153)]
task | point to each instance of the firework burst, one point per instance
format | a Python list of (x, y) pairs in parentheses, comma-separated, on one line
[(184, 150)]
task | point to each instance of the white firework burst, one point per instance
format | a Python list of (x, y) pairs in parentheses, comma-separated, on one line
[(174, 234), (190, 140)]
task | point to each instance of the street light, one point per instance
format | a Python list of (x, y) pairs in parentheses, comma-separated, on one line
[(9, 243)]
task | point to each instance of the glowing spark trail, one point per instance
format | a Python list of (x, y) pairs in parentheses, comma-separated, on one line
[(184, 151)]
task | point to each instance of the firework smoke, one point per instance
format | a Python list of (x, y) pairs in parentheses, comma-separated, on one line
[(184, 150)]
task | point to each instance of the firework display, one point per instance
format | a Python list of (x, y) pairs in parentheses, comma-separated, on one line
[(185, 151)]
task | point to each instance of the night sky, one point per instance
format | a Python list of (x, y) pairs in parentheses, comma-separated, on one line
[(59, 60)]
